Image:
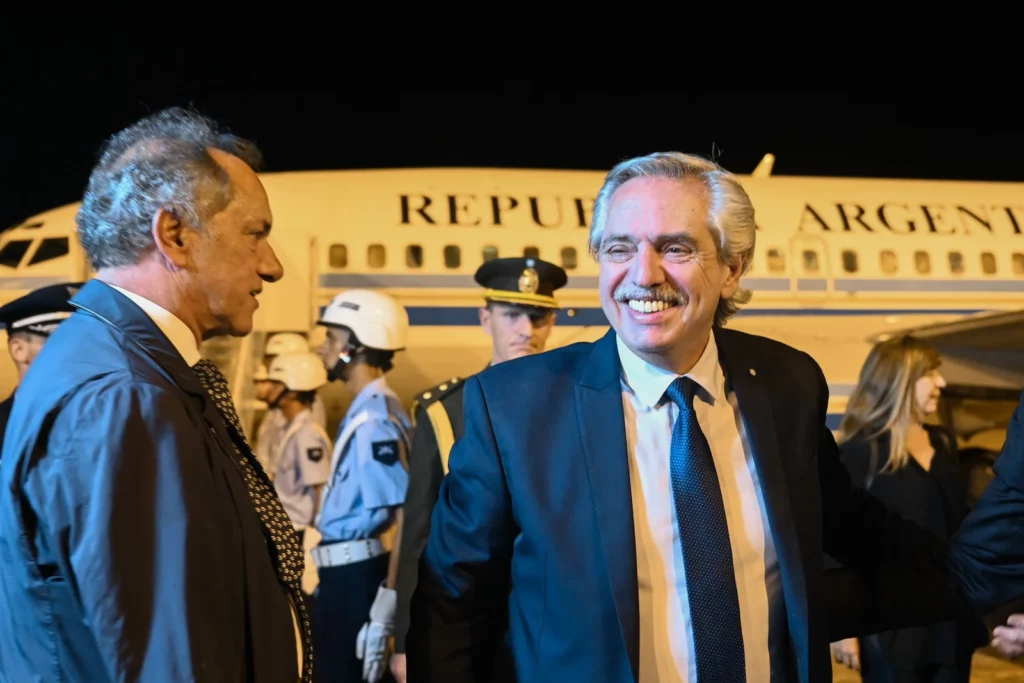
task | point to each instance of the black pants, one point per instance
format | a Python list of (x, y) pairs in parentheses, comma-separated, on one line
[(877, 666), (343, 601)]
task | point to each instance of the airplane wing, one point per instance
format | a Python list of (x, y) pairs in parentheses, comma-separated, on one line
[(982, 352)]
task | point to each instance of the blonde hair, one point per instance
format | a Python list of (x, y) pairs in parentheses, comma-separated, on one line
[(884, 399), (731, 219)]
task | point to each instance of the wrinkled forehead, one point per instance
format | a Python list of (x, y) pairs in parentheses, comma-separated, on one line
[(651, 206), (246, 188)]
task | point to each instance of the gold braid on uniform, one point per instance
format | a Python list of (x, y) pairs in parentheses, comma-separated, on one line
[(286, 552), (440, 422)]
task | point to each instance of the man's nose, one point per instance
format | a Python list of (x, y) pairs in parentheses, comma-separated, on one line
[(647, 270), (270, 267)]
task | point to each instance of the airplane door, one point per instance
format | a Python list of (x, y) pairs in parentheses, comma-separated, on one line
[(811, 277)]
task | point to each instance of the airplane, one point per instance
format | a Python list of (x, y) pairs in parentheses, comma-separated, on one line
[(839, 263)]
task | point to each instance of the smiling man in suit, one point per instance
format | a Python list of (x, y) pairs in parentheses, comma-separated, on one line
[(655, 506)]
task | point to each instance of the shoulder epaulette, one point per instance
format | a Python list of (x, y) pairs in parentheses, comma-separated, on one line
[(436, 392)]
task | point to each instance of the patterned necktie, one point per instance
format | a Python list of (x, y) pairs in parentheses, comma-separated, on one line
[(707, 552), (286, 552)]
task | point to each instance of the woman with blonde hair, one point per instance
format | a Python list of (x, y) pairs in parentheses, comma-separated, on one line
[(912, 468)]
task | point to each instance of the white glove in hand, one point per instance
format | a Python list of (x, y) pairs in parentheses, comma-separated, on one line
[(372, 641)]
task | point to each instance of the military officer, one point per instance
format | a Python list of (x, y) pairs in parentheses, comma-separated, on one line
[(272, 425), (363, 498), (518, 314), (30, 320)]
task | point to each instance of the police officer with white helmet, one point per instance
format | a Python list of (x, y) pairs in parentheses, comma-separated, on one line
[(365, 492), (272, 425)]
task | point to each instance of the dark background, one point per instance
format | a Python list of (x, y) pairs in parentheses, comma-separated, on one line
[(60, 103)]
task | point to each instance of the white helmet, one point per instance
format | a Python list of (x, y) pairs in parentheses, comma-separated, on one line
[(286, 342), (261, 374), (377, 320), (299, 371)]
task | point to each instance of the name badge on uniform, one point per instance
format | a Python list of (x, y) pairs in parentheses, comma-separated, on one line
[(385, 452)]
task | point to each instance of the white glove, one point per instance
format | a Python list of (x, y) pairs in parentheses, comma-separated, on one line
[(372, 641)]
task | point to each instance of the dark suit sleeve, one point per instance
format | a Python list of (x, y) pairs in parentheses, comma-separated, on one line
[(988, 550), (463, 583), (895, 572), (130, 530), (424, 480)]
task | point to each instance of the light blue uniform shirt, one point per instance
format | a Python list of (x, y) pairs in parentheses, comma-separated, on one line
[(368, 481), (272, 428), (301, 461)]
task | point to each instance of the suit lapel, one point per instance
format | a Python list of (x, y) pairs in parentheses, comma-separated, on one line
[(603, 433), (759, 420)]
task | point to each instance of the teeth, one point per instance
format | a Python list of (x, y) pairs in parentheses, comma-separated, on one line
[(648, 306)]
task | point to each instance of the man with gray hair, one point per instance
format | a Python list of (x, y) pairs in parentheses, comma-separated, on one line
[(139, 538), (656, 506)]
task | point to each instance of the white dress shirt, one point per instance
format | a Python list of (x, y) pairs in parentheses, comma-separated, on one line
[(666, 636), (184, 342)]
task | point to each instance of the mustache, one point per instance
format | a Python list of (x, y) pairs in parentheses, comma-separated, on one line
[(663, 292)]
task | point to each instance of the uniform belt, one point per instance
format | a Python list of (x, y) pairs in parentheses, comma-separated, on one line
[(346, 552)]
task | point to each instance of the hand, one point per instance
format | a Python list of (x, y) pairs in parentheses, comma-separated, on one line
[(847, 653), (372, 641), (1009, 640), (398, 667)]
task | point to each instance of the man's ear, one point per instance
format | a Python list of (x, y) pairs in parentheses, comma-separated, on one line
[(170, 238)]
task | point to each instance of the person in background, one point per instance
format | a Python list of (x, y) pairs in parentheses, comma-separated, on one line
[(518, 315), (29, 321), (911, 466), (365, 491), (272, 425)]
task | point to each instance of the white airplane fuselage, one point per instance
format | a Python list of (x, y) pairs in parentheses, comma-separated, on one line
[(837, 262)]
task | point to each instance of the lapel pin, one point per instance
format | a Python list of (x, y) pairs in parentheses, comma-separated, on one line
[(753, 372)]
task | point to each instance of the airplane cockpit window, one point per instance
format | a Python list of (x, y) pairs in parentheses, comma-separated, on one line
[(51, 248), (375, 255), (13, 252), (811, 261), (414, 256), (452, 256), (531, 252), (1018, 263), (569, 258), (849, 261), (887, 261), (956, 262), (988, 263), (490, 253), (338, 256), (922, 262), (776, 261)]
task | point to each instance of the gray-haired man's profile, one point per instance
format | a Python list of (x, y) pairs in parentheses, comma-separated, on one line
[(138, 538)]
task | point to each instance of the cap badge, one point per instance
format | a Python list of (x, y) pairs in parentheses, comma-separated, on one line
[(529, 281)]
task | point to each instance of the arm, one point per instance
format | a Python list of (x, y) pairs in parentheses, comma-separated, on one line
[(455, 612), (126, 512)]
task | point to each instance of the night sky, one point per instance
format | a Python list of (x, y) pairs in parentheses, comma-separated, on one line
[(59, 108)]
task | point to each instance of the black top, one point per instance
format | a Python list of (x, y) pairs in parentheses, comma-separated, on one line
[(935, 499), (5, 414)]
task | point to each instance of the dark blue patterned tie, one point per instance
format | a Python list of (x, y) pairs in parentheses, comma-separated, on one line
[(707, 552)]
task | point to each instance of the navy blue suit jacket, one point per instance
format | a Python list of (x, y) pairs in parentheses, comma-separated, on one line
[(531, 561), (129, 548)]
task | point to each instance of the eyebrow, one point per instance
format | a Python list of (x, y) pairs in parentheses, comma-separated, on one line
[(659, 242)]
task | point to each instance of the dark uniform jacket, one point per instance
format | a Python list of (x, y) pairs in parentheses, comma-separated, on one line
[(5, 415), (129, 548), (438, 411)]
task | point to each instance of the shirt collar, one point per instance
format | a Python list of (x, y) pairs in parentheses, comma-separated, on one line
[(378, 385), (174, 329), (649, 382)]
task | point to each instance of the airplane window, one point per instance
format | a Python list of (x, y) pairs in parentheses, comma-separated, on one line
[(531, 252), (776, 261), (849, 261), (887, 260), (922, 262), (51, 248), (988, 262), (1018, 263), (375, 255), (956, 262), (569, 258), (452, 256), (338, 256), (810, 261), (414, 256), (490, 253), (12, 253)]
